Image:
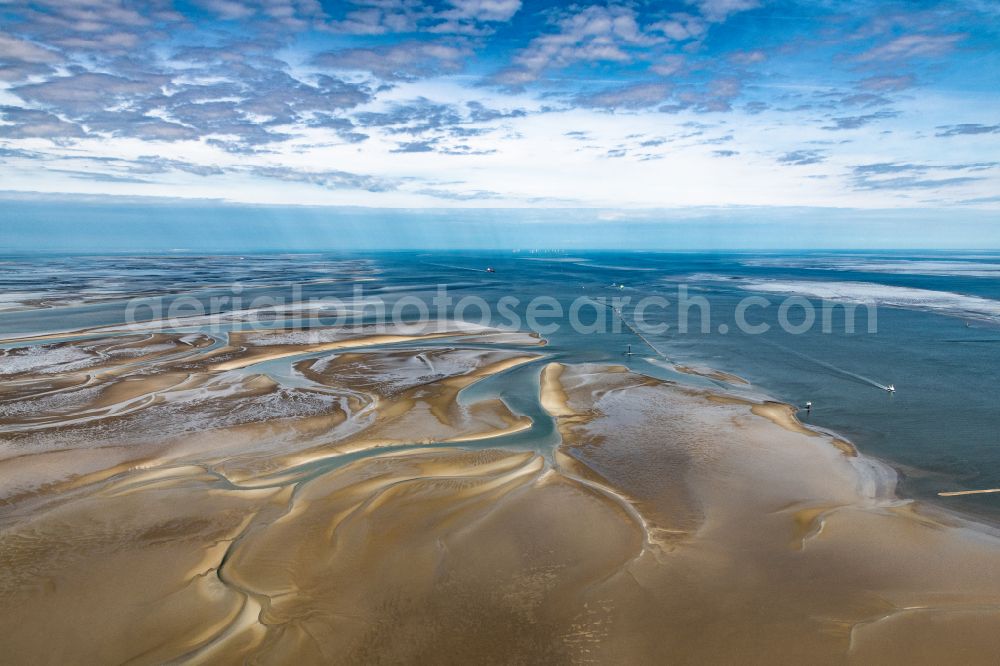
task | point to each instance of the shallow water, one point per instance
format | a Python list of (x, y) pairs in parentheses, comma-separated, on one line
[(940, 428)]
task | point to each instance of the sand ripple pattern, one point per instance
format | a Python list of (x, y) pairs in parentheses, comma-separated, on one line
[(332, 498)]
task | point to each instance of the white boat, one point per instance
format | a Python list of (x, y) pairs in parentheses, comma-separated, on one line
[(891, 388)]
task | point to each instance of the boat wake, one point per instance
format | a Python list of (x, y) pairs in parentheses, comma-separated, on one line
[(833, 368)]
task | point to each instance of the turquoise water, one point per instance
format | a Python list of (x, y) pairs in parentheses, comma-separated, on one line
[(937, 337)]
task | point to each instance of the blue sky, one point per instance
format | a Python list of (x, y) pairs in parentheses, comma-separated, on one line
[(611, 106), (97, 224)]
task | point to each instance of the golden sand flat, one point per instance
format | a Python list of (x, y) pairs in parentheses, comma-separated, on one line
[(187, 507)]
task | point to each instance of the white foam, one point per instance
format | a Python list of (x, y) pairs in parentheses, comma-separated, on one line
[(871, 293), (423, 367), (134, 352), (622, 268), (60, 402), (44, 359), (19, 300), (936, 267)]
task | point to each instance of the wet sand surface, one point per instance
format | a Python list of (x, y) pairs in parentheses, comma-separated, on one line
[(321, 498), (768, 543)]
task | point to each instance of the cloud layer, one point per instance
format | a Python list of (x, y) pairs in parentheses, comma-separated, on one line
[(504, 102)]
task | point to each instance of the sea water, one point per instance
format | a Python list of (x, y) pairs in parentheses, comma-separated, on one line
[(936, 336)]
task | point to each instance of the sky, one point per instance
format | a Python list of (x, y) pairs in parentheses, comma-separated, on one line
[(618, 108), (69, 224)]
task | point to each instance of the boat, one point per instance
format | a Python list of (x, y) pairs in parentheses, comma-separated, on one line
[(490, 269), (891, 388)]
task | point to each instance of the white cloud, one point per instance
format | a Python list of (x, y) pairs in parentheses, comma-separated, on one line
[(484, 10), (590, 34), (717, 11), (19, 49), (912, 46)]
